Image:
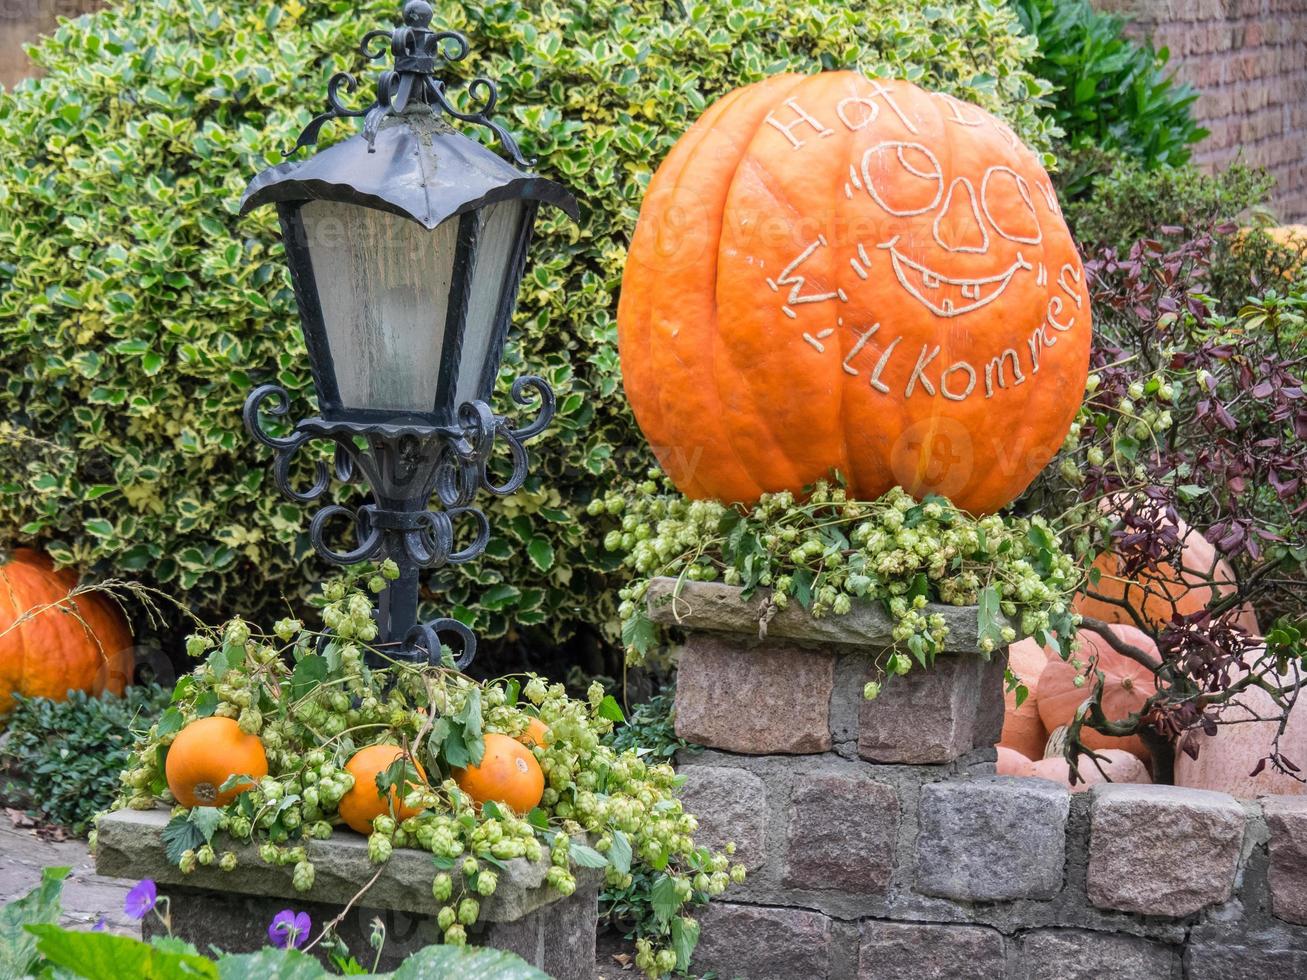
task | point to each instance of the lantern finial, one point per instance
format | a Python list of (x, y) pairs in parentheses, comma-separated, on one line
[(412, 81)]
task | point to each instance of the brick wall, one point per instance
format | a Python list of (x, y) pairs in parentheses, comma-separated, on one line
[(1248, 58)]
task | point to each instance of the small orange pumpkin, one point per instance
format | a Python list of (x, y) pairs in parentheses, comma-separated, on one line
[(1127, 685), (364, 802), (842, 273), (208, 752), (508, 773), (537, 733), (83, 644)]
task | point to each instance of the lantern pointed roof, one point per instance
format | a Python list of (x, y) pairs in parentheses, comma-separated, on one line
[(417, 166)]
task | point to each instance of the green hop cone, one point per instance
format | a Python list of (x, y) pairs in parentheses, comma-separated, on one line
[(302, 878)]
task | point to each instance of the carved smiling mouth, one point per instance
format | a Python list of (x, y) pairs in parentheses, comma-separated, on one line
[(947, 295)]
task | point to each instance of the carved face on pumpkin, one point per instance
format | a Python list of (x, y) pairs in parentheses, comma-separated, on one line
[(837, 273)]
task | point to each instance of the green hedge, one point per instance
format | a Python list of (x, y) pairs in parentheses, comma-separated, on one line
[(136, 311), (1111, 92)]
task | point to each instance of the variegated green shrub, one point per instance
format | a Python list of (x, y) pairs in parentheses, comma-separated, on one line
[(136, 310)]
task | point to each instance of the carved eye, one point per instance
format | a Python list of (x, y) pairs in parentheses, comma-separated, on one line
[(903, 178), (1006, 200)]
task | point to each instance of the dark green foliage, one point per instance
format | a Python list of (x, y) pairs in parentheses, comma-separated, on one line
[(1112, 92), (651, 726), (136, 310), (61, 759)]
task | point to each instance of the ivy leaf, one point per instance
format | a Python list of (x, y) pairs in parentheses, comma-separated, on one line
[(685, 936), (541, 553), (664, 897), (179, 836), (586, 856), (619, 855)]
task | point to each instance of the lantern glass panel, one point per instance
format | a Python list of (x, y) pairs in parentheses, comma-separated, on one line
[(383, 283), (498, 235)]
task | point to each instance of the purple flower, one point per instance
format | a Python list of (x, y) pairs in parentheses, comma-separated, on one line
[(101, 926), (141, 899), (289, 929)]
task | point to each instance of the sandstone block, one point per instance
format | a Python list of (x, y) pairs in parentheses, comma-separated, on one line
[(842, 833), (1286, 816), (1071, 954), (754, 942), (1162, 850), (758, 701), (731, 805), (896, 951), (992, 839), (936, 715)]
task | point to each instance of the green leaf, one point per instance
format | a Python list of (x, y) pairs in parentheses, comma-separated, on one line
[(179, 836), (586, 856), (685, 936), (619, 854), (170, 722), (308, 674), (664, 898), (284, 964), (538, 818), (39, 906), (610, 709), (205, 819), (640, 632), (990, 618), (105, 956), (465, 963), (541, 553), (801, 586)]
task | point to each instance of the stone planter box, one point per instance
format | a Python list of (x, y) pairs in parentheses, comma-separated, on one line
[(232, 909), (881, 846)]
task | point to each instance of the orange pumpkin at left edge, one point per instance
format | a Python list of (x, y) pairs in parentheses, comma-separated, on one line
[(839, 273), (82, 644), (364, 802)]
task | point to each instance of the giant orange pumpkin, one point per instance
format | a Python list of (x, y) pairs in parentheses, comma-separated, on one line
[(838, 273), (81, 644)]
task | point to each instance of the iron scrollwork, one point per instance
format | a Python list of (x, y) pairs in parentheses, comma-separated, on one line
[(406, 466), (418, 53)]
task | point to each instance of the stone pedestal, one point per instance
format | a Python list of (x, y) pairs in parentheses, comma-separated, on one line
[(881, 846), (232, 909)]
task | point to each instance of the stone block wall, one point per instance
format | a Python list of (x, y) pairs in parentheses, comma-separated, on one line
[(881, 846), (1248, 59)]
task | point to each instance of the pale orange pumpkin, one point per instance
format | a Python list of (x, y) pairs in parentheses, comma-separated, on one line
[(1226, 760), (1023, 730), (1202, 578), (507, 773), (1118, 766), (1127, 685), (80, 644), (839, 273), (1010, 762)]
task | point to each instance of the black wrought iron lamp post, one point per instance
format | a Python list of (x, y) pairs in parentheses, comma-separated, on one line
[(406, 245)]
